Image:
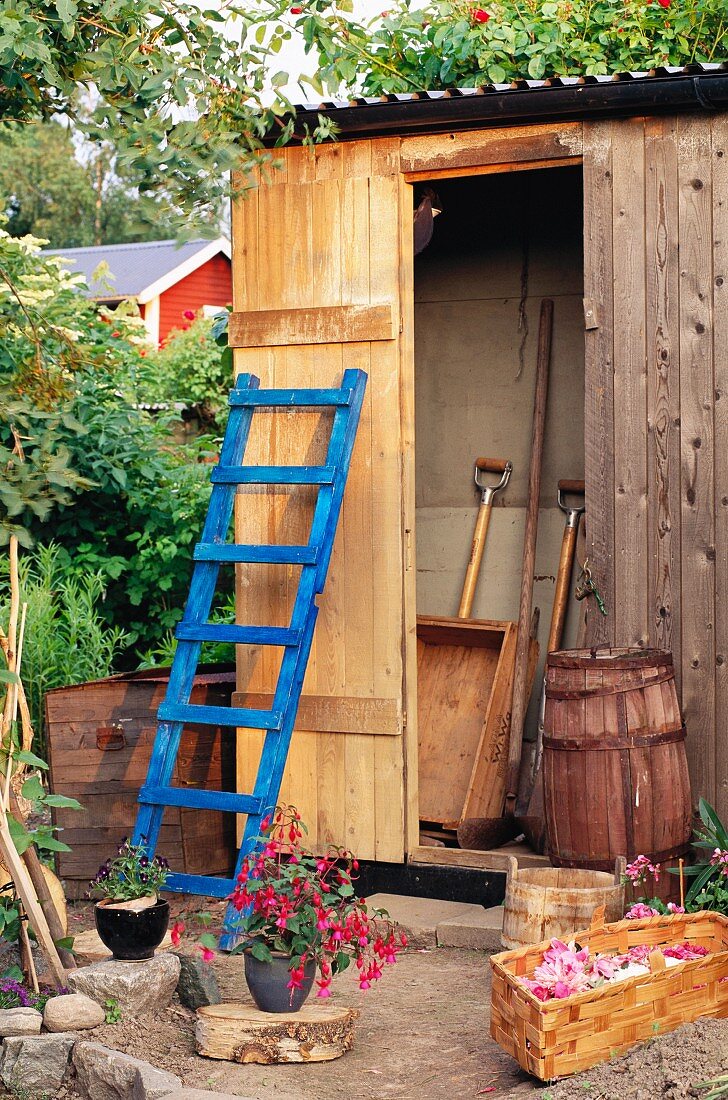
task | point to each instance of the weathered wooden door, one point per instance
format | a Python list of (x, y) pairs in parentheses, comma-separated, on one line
[(317, 290)]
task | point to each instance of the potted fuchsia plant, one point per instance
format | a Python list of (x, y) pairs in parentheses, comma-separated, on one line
[(299, 916), (131, 918)]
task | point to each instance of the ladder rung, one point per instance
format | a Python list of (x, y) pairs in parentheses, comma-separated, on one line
[(273, 475), (219, 716), (266, 555), (193, 799), (207, 885), (239, 635), (278, 399)]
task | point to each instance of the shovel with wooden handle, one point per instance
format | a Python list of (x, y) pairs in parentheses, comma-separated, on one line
[(532, 822), (487, 492)]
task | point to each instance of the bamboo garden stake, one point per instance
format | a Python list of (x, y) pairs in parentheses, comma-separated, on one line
[(8, 853)]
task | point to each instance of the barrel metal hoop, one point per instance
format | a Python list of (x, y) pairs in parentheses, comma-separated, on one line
[(590, 659), (613, 689), (608, 864), (640, 739)]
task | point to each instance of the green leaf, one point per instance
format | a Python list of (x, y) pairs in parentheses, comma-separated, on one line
[(20, 835), (208, 940), (28, 757), (7, 677), (50, 844), (66, 943), (33, 789), (62, 802), (261, 952), (496, 74), (711, 821), (67, 10)]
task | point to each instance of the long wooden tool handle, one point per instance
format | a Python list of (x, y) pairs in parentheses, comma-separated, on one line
[(476, 556), (563, 580), (520, 675)]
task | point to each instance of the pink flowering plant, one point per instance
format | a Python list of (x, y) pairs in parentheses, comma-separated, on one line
[(709, 889), (304, 905)]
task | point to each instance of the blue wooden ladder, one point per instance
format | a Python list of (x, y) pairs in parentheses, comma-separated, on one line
[(210, 553)]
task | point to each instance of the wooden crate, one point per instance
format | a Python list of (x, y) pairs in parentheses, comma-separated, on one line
[(555, 1038), (464, 689), (100, 737)]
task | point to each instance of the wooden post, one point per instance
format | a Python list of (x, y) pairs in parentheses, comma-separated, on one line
[(520, 678)]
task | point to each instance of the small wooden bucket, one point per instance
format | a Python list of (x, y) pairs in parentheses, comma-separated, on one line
[(548, 903)]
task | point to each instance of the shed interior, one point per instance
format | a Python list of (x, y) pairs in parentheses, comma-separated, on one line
[(502, 243)]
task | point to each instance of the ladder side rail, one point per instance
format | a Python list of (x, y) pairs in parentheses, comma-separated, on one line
[(186, 657), (323, 530), (343, 438)]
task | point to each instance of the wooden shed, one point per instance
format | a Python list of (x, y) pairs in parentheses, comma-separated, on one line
[(609, 196)]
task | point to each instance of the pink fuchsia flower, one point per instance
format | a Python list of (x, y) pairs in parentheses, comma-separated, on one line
[(207, 954), (176, 933), (189, 315), (640, 911)]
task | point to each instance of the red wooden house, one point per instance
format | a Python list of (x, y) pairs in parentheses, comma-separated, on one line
[(165, 278)]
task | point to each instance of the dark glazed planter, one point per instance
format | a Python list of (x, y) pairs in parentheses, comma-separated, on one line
[(268, 983), (129, 935)]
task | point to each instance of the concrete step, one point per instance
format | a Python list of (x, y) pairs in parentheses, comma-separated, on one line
[(429, 922)]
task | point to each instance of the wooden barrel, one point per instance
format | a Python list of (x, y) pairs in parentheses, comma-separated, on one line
[(544, 903), (614, 764)]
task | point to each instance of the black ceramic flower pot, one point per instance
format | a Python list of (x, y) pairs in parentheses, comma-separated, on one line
[(268, 983), (132, 935)]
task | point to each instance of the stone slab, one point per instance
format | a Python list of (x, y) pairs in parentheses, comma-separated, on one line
[(136, 987), (20, 1021), (419, 918), (480, 931), (37, 1064), (106, 1074)]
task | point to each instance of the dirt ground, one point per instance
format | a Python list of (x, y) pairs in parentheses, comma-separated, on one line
[(422, 1035)]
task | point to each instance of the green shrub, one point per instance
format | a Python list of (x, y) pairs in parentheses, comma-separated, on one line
[(191, 369)]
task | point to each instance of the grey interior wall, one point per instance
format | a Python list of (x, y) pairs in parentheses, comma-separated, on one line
[(502, 243)]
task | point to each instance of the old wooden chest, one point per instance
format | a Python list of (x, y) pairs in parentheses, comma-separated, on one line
[(100, 737)]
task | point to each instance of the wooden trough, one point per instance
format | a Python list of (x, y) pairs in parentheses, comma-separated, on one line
[(547, 903)]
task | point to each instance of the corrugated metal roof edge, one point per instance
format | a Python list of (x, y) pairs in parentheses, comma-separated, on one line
[(558, 99)]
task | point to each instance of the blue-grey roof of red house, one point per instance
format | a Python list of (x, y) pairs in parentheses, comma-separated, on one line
[(133, 268)]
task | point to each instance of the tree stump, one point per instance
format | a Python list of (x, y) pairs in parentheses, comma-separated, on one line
[(241, 1033)]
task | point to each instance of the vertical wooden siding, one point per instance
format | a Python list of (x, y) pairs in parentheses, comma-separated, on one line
[(324, 231), (656, 253)]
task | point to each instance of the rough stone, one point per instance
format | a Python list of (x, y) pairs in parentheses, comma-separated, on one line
[(38, 1063), (197, 985), (480, 931), (106, 1074), (72, 1012), (20, 1021), (420, 917), (136, 987)]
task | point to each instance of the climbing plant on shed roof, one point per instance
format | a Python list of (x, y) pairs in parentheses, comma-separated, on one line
[(466, 43)]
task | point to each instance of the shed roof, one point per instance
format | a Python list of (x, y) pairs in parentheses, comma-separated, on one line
[(141, 270), (665, 90)]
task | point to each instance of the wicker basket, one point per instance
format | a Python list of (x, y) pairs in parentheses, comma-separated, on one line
[(556, 1038)]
